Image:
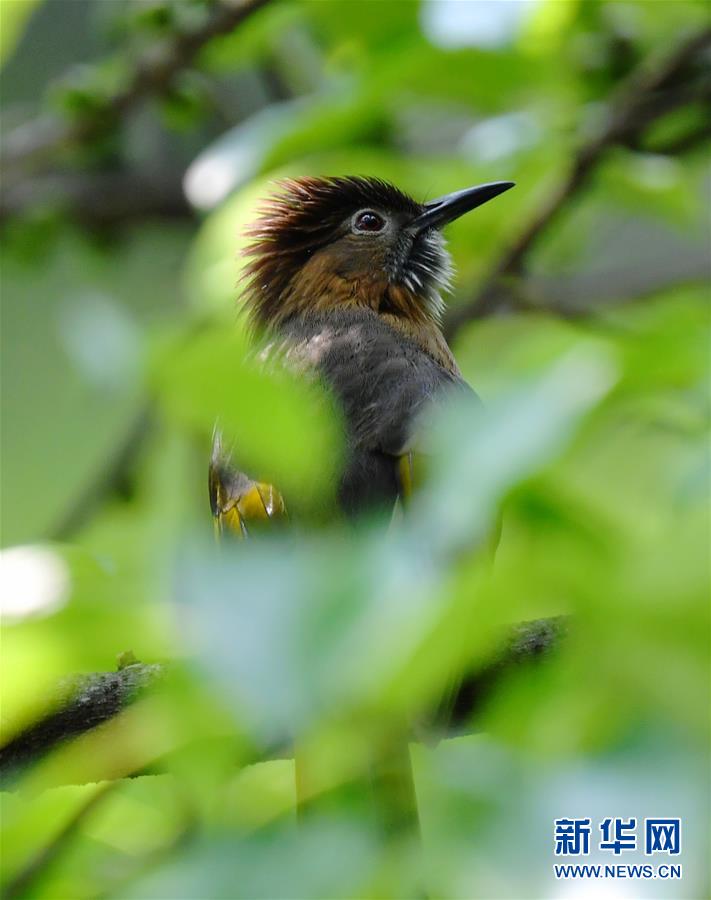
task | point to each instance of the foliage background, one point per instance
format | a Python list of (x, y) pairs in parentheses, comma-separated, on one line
[(122, 206)]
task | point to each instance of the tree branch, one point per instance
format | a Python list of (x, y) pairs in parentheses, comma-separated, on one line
[(646, 95), (95, 199), (78, 704), (152, 74), (526, 643), (84, 702)]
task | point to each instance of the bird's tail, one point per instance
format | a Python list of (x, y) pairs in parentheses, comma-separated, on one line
[(239, 503)]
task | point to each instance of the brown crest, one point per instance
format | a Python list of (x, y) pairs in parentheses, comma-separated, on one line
[(301, 217)]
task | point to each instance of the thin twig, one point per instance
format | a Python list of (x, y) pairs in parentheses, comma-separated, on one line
[(96, 199), (646, 95), (152, 75), (113, 475)]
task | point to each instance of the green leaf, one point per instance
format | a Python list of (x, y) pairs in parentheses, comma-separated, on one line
[(15, 15), (73, 335), (282, 429)]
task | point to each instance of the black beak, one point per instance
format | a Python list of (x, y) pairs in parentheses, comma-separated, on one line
[(445, 209)]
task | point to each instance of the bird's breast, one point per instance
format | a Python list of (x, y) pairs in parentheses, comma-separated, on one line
[(380, 374)]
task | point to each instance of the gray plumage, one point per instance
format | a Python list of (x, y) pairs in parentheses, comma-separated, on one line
[(382, 380)]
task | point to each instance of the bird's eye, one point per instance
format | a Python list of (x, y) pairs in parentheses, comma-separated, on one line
[(367, 220)]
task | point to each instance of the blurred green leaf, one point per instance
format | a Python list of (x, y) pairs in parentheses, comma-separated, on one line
[(655, 184), (480, 798), (72, 345), (332, 859), (282, 429), (303, 616), (15, 15)]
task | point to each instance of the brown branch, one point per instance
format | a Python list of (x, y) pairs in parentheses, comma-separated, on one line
[(526, 643), (78, 704), (84, 702), (645, 96), (153, 74), (95, 199)]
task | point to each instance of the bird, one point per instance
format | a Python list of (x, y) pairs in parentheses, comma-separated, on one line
[(344, 281)]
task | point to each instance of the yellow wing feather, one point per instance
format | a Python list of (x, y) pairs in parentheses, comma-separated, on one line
[(237, 501)]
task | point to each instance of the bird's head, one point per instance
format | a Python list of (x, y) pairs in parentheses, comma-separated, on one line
[(324, 243)]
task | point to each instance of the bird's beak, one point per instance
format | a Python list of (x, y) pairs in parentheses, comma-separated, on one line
[(445, 209)]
